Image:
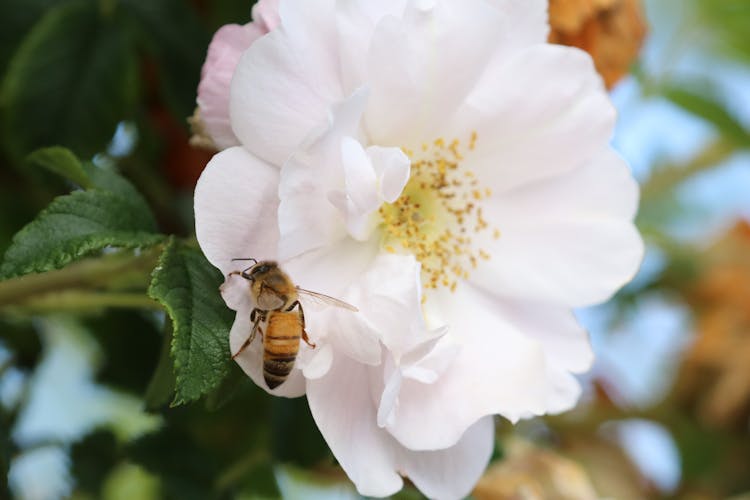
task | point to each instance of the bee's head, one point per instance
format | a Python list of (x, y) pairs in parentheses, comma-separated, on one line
[(259, 270)]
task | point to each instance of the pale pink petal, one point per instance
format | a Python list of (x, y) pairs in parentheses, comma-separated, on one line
[(392, 167), (568, 240), (355, 23), (543, 112), (389, 397), (287, 81), (524, 23), (236, 293), (566, 346), (224, 52), (354, 337), (343, 409), (360, 197), (236, 202), (451, 473), (388, 298), (431, 358), (564, 340), (266, 15), (498, 370), (360, 180), (307, 217), (318, 362), (421, 67), (564, 390)]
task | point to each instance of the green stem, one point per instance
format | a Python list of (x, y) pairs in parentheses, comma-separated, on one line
[(77, 301), (84, 278), (240, 469), (669, 177)]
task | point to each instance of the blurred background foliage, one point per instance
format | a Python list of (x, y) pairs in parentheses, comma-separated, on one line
[(86, 378)]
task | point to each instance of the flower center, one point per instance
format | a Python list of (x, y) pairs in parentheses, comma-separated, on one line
[(438, 214)]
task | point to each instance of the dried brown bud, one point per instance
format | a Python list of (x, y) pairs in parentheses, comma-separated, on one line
[(612, 31), (713, 380)]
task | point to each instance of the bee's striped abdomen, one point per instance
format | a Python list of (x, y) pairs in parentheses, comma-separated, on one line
[(280, 346)]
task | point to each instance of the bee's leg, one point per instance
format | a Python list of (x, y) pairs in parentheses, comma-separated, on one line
[(241, 273), (256, 317), (302, 322)]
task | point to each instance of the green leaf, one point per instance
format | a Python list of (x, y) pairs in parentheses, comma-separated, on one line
[(699, 100), (71, 81), (62, 162), (77, 225), (728, 22), (160, 389), (187, 285), (111, 213), (233, 386), (260, 484), (173, 34), (16, 19)]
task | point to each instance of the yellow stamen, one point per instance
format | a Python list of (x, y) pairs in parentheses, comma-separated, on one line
[(438, 211)]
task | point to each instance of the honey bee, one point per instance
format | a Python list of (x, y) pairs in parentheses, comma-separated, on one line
[(278, 309)]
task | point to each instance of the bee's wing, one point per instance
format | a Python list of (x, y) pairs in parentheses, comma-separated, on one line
[(322, 299)]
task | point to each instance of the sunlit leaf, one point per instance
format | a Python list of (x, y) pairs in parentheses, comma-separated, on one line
[(77, 225), (62, 162), (700, 101), (728, 20)]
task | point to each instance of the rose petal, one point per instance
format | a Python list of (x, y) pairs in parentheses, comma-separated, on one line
[(319, 362), (307, 218), (568, 240), (285, 82), (525, 23), (353, 336), (266, 14), (498, 370), (236, 293), (355, 23), (421, 67), (392, 167), (236, 202), (343, 409), (434, 363), (543, 112), (390, 300), (565, 342), (224, 52), (389, 397), (451, 473)]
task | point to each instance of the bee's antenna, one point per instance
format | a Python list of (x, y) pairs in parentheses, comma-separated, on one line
[(249, 258)]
